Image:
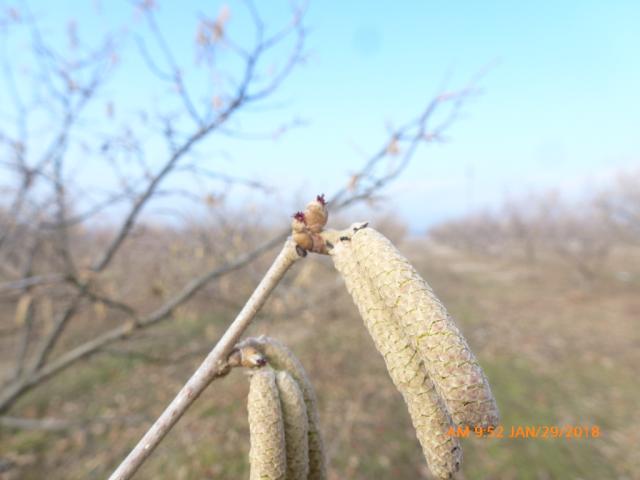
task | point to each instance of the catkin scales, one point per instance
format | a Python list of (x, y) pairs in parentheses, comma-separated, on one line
[(451, 364), (428, 413)]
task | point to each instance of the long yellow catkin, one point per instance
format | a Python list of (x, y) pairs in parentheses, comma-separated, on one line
[(281, 358), (451, 364), (266, 427), (428, 414), (296, 426)]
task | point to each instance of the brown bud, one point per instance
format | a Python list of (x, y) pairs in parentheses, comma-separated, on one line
[(245, 355), (300, 232), (251, 357), (316, 214), (298, 223), (303, 240)]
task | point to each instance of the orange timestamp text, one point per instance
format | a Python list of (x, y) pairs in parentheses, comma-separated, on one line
[(528, 431)]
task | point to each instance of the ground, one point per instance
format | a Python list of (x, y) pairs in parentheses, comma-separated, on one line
[(558, 351)]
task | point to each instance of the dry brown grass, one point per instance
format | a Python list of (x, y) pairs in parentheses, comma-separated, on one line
[(555, 351)]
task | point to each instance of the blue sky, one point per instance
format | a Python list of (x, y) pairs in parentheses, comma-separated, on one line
[(560, 106)]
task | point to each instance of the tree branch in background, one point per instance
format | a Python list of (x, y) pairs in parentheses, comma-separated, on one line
[(210, 367), (74, 275), (60, 425), (249, 90)]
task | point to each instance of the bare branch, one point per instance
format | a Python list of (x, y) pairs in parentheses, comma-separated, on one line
[(402, 142), (46, 347), (209, 368), (60, 425), (241, 97), (43, 372), (176, 74), (32, 281), (28, 314)]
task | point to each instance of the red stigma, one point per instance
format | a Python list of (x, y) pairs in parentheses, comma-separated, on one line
[(320, 198), (300, 217)]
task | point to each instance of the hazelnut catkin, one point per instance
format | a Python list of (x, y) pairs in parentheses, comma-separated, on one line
[(267, 455), (449, 361), (428, 413), (281, 358), (296, 426)]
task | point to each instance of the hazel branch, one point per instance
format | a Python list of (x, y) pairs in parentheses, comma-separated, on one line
[(214, 365)]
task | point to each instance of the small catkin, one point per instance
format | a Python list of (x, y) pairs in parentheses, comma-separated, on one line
[(428, 414), (267, 455), (296, 426), (281, 358), (451, 364)]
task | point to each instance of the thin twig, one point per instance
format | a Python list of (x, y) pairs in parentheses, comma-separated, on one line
[(61, 425), (32, 281), (207, 371), (13, 391)]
